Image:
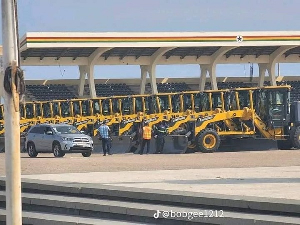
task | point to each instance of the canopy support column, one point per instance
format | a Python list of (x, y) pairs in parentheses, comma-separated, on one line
[(91, 81), (262, 73), (144, 71), (82, 71), (211, 68), (92, 61), (203, 73), (152, 74), (152, 67), (270, 67)]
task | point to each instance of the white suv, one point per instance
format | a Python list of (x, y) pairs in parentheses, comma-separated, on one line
[(58, 139)]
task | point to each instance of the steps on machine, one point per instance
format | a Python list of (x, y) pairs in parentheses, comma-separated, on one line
[(70, 203)]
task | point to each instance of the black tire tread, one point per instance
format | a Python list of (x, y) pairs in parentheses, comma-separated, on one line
[(200, 137)]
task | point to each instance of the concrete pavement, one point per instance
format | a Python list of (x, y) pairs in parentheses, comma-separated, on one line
[(270, 182)]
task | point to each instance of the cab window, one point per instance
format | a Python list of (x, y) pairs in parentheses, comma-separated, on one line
[(201, 102), (105, 107), (29, 111), (1, 112), (115, 105), (65, 109), (187, 102), (85, 108), (76, 108), (151, 105), (127, 106), (38, 109), (216, 100), (138, 104), (175, 103), (164, 103), (46, 110), (96, 107), (22, 112), (231, 103), (244, 98), (55, 108)]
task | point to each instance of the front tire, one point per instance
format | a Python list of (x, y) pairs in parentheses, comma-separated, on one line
[(295, 137), (31, 150), (86, 154), (208, 141), (57, 152)]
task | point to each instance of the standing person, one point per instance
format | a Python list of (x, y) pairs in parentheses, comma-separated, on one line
[(104, 135), (147, 133), (160, 133)]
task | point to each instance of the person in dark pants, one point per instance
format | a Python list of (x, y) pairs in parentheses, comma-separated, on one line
[(160, 133), (104, 135), (147, 133)]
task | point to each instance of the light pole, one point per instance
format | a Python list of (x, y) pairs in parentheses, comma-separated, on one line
[(12, 116)]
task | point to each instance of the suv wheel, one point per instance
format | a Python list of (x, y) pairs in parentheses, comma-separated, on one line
[(31, 150), (57, 150), (86, 154)]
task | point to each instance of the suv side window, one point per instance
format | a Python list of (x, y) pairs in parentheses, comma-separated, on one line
[(34, 130), (41, 130), (37, 130), (48, 129)]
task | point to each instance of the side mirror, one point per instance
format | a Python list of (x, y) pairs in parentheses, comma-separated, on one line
[(82, 131), (49, 132)]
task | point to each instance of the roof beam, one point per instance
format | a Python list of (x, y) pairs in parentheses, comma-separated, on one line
[(96, 55), (78, 53), (62, 53), (126, 53), (259, 53), (107, 56), (219, 53), (246, 52), (159, 53), (187, 53), (287, 54), (141, 53), (27, 54), (169, 53), (200, 54), (279, 52)]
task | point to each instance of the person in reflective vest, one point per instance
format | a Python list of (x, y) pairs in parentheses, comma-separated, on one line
[(160, 133), (147, 133)]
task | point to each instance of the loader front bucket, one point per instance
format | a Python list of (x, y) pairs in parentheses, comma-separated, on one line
[(120, 145), (22, 144), (175, 144), (172, 144)]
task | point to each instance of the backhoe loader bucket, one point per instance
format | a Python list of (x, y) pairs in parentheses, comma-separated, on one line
[(22, 144), (120, 145), (173, 144)]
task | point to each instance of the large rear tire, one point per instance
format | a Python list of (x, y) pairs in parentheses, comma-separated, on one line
[(295, 137), (208, 141)]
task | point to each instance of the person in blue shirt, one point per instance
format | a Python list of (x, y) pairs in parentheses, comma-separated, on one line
[(104, 135)]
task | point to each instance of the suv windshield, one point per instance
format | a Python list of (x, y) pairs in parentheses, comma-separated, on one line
[(66, 130)]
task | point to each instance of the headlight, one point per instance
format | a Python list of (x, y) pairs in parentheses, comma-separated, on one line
[(91, 140), (66, 139)]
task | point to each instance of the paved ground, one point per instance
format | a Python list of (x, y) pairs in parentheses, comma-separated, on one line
[(75, 163), (270, 182)]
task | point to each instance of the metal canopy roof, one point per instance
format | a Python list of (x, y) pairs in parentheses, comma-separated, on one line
[(122, 52), (45, 48)]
